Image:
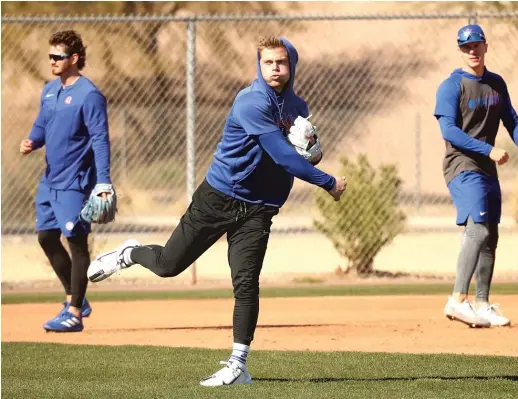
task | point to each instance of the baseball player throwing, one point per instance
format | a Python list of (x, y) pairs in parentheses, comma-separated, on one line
[(248, 181)]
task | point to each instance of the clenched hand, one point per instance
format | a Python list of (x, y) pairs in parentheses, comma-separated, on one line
[(339, 188), (26, 146), (499, 156)]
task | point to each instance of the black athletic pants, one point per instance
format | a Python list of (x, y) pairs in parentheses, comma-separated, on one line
[(70, 271), (210, 215)]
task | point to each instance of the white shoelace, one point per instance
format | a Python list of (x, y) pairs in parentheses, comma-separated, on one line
[(234, 367), (495, 307), (120, 263)]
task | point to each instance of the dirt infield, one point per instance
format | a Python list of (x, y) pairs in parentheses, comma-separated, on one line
[(407, 324)]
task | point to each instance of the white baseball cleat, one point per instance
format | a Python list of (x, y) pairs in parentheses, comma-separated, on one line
[(464, 312), (231, 374), (493, 314), (110, 262)]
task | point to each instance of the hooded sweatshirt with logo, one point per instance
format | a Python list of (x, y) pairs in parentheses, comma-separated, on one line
[(469, 109), (254, 161)]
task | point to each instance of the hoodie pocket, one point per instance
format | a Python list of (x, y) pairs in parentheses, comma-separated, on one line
[(247, 175)]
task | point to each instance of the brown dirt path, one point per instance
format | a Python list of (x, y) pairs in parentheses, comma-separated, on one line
[(408, 324)]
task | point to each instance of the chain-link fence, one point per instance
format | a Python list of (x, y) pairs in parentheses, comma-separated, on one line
[(370, 82)]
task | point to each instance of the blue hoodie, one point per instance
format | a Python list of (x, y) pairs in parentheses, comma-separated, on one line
[(254, 161), (73, 126), (469, 109)]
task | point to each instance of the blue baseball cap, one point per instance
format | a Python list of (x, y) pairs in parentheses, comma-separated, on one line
[(470, 34)]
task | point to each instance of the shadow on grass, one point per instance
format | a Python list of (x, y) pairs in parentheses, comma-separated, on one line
[(382, 379)]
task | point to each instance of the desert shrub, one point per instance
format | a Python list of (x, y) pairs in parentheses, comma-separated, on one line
[(367, 217)]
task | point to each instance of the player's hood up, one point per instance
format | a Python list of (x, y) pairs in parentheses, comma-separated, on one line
[(293, 57)]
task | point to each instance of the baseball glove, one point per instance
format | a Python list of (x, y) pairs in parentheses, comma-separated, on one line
[(97, 209), (303, 136)]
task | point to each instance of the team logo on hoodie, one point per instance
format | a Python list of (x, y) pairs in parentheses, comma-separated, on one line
[(285, 123)]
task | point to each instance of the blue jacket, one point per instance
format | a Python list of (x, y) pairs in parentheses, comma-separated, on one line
[(73, 126), (253, 161)]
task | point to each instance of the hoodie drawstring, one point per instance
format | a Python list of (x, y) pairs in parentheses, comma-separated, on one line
[(241, 212)]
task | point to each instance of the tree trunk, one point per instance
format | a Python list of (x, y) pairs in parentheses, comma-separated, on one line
[(364, 267)]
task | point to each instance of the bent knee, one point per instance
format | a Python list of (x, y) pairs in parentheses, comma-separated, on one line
[(168, 269), (164, 273), (244, 291)]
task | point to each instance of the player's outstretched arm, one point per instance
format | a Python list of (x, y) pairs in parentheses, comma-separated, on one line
[(285, 155)]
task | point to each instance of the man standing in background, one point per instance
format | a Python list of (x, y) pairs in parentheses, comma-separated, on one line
[(72, 124), (469, 107)]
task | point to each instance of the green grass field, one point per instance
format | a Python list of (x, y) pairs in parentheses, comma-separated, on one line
[(37, 370), (60, 371), (269, 292)]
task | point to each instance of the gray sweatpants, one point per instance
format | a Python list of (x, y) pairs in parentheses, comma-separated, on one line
[(477, 256)]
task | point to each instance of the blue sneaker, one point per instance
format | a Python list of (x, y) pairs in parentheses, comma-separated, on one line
[(86, 309), (64, 322)]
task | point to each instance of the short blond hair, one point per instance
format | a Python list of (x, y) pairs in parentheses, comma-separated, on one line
[(270, 42)]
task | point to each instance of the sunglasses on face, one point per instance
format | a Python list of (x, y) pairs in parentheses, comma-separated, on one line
[(467, 35), (58, 57)]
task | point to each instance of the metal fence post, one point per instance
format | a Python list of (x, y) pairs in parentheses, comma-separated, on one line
[(472, 18), (124, 152), (418, 160), (191, 119)]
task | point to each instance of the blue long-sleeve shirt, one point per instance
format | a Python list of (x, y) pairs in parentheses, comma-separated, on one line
[(284, 154), (454, 134), (72, 124), (469, 110), (253, 161)]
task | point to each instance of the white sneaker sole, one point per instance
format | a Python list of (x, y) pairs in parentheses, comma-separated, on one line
[(215, 382), (204, 384), (101, 274), (470, 324), (508, 324)]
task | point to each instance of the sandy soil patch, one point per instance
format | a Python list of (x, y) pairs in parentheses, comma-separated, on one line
[(406, 324)]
